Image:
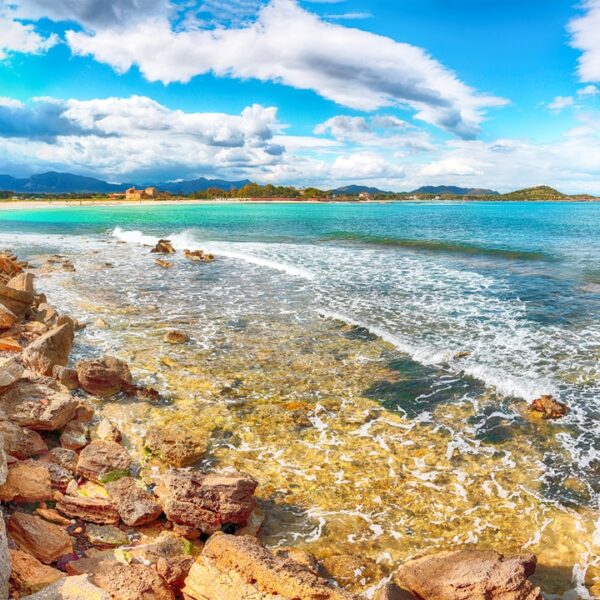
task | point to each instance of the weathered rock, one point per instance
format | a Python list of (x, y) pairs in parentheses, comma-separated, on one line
[(133, 582), (45, 313), (103, 377), (106, 536), (50, 350), (165, 264), (9, 265), (206, 502), (65, 458), (31, 330), (10, 344), (391, 591), (5, 565), (167, 545), (11, 370), (198, 255), (472, 575), (93, 510), (52, 516), (60, 478), (108, 431), (240, 568), (163, 247), (23, 282), (103, 461), (20, 442), (17, 301), (29, 575), (26, 482), (71, 588), (254, 523), (175, 336), (174, 445), (74, 435), (8, 319), (307, 560), (134, 503), (37, 406), (174, 570), (65, 376), (3, 464), (45, 541), (549, 407)]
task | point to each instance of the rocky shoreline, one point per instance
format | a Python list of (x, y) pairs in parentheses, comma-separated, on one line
[(78, 522)]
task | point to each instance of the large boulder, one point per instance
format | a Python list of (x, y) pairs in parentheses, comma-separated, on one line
[(134, 503), (23, 282), (241, 568), (103, 377), (163, 247), (26, 482), (132, 582), (71, 588), (8, 319), (50, 349), (470, 575), (29, 575), (46, 541), (38, 406), (174, 446), (20, 442), (18, 302), (207, 502), (103, 461)]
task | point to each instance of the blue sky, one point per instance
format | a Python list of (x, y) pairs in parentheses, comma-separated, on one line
[(392, 93)]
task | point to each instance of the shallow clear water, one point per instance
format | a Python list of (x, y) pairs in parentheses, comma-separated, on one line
[(339, 324)]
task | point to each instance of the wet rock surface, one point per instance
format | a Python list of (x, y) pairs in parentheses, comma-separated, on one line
[(548, 407), (103, 377), (50, 350), (174, 446), (103, 461)]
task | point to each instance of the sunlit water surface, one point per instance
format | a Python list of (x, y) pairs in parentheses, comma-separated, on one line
[(322, 361)]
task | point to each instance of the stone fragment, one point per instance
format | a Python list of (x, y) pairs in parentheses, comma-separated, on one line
[(106, 536), (93, 510), (108, 431), (133, 582), (46, 541), (472, 574), (65, 458), (11, 370), (45, 313), (549, 407), (29, 575), (8, 319), (241, 568), (60, 478), (50, 350), (23, 282), (71, 588), (20, 442), (103, 377), (65, 376), (134, 503), (103, 461), (17, 301), (165, 264), (10, 344), (174, 446), (163, 247), (174, 570), (37, 406), (26, 482), (206, 502), (74, 435), (175, 336), (52, 516)]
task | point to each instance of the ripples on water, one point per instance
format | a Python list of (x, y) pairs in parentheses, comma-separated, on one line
[(327, 370)]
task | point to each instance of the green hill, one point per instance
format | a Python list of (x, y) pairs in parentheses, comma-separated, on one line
[(541, 192)]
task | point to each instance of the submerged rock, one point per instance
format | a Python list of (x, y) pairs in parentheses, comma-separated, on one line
[(391, 591), (176, 337), (240, 568), (207, 502), (103, 461), (472, 575), (165, 264), (108, 431), (103, 377), (549, 407), (174, 446), (198, 255), (163, 247), (45, 541)]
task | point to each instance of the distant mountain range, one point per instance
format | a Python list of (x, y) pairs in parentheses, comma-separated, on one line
[(66, 183), (354, 190), (440, 190)]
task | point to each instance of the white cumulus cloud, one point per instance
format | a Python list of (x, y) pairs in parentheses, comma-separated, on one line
[(585, 36)]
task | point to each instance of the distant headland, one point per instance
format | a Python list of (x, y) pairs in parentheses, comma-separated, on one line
[(68, 186)]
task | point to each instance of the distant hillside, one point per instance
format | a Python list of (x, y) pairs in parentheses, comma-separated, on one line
[(354, 190), (541, 192), (199, 185), (68, 183), (441, 190)]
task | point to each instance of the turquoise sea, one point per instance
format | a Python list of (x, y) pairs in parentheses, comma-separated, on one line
[(514, 285)]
